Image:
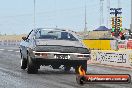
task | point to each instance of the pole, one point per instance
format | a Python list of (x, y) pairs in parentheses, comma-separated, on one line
[(108, 11), (101, 12), (85, 29), (119, 4), (34, 13), (131, 17), (116, 29)]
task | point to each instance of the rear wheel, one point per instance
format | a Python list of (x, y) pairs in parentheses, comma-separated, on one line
[(23, 63), (55, 66), (67, 68), (31, 66), (84, 66), (76, 69)]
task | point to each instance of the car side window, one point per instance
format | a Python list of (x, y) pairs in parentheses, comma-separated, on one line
[(38, 34), (67, 36)]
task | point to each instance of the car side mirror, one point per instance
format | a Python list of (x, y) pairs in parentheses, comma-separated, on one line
[(24, 38)]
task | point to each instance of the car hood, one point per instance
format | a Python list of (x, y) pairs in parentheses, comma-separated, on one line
[(59, 42)]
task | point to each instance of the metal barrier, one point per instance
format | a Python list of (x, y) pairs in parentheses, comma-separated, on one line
[(10, 42)]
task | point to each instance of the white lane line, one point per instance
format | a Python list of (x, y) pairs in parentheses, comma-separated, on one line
[(10, 50), (2, 49), (17, 51)]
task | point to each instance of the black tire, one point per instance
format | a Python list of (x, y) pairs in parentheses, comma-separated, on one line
[(55, 66), (80, 80), (31, 67), (23, 63), (76, 69), (84, 66), (67, 68)]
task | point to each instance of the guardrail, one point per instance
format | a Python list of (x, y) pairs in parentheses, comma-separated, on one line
[(10, 42)]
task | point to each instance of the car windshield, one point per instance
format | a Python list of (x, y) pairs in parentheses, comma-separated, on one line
[(53, 34)]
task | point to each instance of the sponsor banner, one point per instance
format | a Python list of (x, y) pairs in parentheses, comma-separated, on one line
[(115, 58), (110, 58)]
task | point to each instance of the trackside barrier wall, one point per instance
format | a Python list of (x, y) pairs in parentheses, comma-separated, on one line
[(108, 44), (10, 42), (111, 57), (122, 44), (129, 44), (101, 44)]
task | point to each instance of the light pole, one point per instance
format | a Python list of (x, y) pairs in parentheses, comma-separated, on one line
[(85, 28), (34, 17), (131, 17), (101, 12), (119, 4), (108, 13)]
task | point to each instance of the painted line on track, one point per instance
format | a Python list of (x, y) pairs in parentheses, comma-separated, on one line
[(10, 50), (2, 49), (17, 51)]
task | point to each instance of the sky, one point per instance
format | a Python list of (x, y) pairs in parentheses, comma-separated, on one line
[(16, 16)]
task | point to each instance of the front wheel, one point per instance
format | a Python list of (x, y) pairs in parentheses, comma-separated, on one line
[(31, 67)]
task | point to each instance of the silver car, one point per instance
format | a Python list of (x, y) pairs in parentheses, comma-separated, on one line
[(55, 47)]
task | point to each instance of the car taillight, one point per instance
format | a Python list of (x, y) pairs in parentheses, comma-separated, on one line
[(41, 54), (86, 55), (80, 55), (37, 54)]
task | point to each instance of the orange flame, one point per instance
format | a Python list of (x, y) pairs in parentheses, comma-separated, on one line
[(81, 71)]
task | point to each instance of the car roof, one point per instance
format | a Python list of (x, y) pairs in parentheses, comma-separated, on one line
[(55, 29)]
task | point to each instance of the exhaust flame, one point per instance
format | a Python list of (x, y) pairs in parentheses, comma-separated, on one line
[(81, 71)]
